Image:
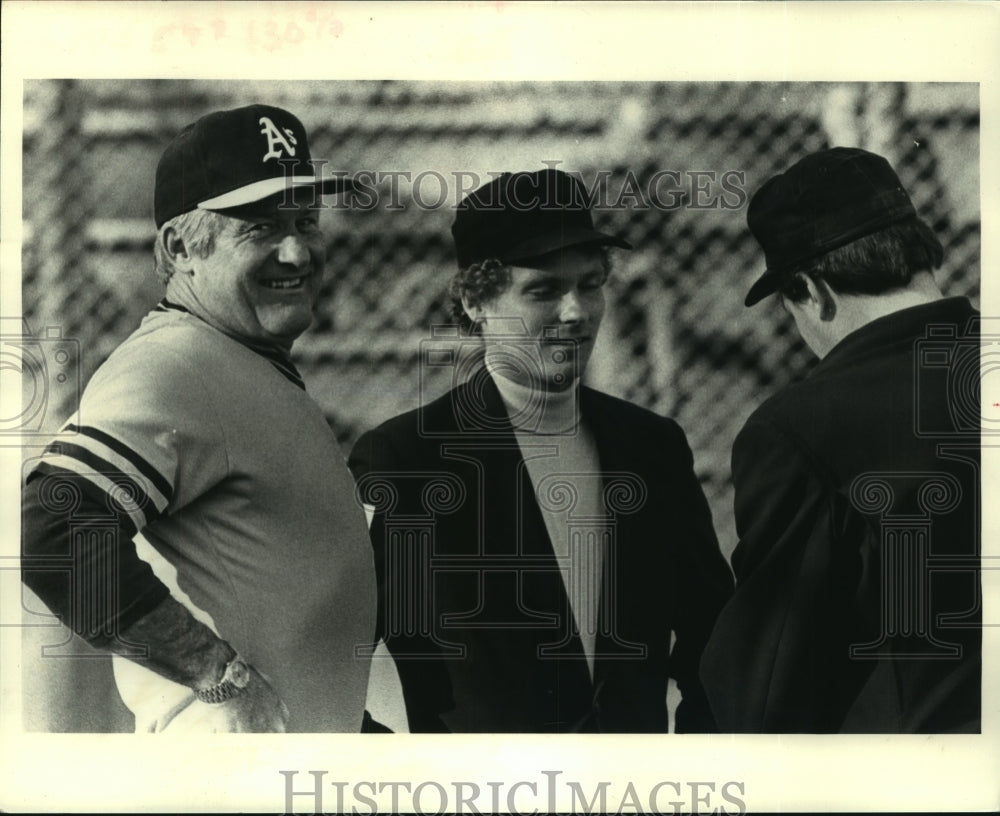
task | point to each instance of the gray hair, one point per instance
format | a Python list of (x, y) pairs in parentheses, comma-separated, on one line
[(198, 230)]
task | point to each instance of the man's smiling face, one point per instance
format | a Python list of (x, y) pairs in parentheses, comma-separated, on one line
[(559, 303), (262, 278)]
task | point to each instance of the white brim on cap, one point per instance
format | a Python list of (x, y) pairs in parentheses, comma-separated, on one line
[(265, 188)]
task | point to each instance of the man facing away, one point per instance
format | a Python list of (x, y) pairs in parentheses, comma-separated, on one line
[(858, 602), (538, 543), (254, 580)]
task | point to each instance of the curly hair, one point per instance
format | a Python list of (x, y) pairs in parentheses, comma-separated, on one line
[(478, 283), (483, 281), (885, 260)]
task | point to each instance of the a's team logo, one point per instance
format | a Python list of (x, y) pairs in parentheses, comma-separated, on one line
[(277, 140)]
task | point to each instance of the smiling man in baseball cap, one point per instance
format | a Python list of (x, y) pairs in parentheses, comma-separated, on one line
[(240, 577), (236, 179), (578, 538), (845, 492)]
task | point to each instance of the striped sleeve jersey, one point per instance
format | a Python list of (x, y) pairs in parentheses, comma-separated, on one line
[(216, 453)]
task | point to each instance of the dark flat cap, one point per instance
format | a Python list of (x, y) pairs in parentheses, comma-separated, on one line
[(521, 216), (824, 201)]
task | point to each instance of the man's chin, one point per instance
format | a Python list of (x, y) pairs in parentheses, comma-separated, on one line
[(287, 333), (288, 323)]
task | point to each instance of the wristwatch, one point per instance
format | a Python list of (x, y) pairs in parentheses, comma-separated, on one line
[(235, 678)]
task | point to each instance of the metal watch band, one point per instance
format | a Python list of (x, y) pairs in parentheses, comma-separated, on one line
[(233, 681), (218, 693)]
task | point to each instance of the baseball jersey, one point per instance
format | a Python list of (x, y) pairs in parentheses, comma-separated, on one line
[(239, 486)]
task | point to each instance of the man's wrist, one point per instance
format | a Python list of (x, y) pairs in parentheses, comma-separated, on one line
[(235, 678), (210, 664)]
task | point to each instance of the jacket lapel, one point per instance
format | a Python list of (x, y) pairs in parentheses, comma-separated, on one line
[(611, 437), (514, 510)]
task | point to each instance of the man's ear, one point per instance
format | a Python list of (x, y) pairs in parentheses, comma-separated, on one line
[(821, 298), (177, 250)]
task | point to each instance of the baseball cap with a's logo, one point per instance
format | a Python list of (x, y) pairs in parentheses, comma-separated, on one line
[(235, 157)]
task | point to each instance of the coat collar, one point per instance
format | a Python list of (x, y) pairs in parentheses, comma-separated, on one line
[(905, 325)]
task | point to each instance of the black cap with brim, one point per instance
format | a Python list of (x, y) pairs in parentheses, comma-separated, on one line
[(767, 284), (822, 202), (236, 157), (517, 217)]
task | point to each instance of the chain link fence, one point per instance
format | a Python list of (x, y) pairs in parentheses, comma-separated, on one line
[(672, 166)]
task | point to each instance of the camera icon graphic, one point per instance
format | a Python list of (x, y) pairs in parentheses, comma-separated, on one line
[(964, 365), (46, 367), (536, 364)]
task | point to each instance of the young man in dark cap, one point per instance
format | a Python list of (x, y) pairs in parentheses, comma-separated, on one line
[(857, 606), (538, 543), (254, 579)]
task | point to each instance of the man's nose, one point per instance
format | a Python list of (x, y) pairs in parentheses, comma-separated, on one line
[(572, 309), (293, 250)]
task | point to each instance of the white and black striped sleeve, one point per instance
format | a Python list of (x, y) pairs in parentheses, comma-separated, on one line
[(147, 443)]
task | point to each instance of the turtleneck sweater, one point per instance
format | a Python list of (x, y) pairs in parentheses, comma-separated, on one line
[(561, 458)]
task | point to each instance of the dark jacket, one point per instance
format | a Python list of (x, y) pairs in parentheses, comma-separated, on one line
[(488, 644), (857, 606)]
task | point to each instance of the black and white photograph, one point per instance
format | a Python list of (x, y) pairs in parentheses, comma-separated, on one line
[(466, 428)]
